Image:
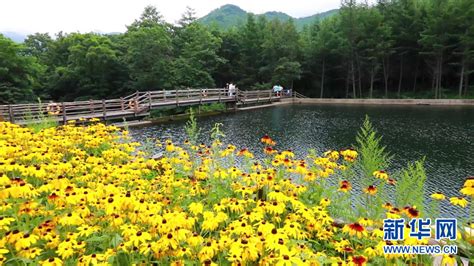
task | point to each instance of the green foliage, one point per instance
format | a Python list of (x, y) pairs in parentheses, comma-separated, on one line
[(171, 111), (18, 72), (213, 107), (40, 121), (148, 46), (216, 133), (410, 185), (191, 128), (373, 155)]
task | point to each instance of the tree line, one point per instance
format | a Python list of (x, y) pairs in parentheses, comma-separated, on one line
[(394, 48)]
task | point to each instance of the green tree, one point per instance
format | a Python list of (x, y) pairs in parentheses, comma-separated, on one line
[(281, 51), (18, 72), (196, 54), (464, 34), (85, 66), (149, 52), (375, 43), (251, 40), (434, 39)]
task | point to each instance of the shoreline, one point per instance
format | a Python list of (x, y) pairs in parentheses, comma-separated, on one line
[(428, 102)]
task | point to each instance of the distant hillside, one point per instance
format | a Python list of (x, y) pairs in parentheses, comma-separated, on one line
[(228, 16), (308, 20), (15, 36)]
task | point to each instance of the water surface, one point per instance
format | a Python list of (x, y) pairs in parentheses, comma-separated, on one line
[(445, 135)]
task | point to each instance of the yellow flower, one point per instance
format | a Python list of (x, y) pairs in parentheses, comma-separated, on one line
[(371, 190), (139, 238), (381, 174), (5, 222), (459, 201), (344, 186), (51, 262), (325, 202), (349, 155), (370, 252), (355, 229), (365, 222), (448, 260), (468, 191), (196, 208), (26, 241), (438, 196)]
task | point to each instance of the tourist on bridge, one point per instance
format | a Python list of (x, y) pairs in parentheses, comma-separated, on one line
[(231, 89), (277, 89)]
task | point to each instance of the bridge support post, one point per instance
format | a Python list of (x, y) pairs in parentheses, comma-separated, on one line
[(122, 104), (135, 106), (10, 114), (63, 110), (177, 98), (149, 100), (104, 111)]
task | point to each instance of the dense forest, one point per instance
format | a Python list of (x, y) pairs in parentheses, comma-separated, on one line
[(394, 48)]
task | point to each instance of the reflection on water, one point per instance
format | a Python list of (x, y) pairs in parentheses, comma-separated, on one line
[(445, 135)]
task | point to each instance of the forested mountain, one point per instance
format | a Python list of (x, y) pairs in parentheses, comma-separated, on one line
[(396, 48), (228, 16)]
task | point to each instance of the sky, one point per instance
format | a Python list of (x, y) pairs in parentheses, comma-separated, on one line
[(29, 16)]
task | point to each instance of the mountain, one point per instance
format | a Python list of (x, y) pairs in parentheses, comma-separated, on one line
[(310, 19), (225, 16), (228, 16), (15, 36)]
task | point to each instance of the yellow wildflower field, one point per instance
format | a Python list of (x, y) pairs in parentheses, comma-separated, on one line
[(88, 195)]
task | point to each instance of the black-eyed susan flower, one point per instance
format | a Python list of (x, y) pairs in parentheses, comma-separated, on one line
[(438, 196), (411, 211), (468, 188), (359, 260), (54, 261), (381, 174), (267, 140), (365, 221), (448, 260), (371, 190), (355, 229), (349, 155), (459, 201), (345, 186)]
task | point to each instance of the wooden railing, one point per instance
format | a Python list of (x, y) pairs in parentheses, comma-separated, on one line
[(296, 94), (138, 103)]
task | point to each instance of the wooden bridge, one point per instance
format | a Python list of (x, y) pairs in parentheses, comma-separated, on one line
[(138, 104)]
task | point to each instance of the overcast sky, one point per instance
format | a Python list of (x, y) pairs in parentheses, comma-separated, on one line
[(29, 16)]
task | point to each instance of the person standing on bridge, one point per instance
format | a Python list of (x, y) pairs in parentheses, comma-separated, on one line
[(277, 90), (231, 89)]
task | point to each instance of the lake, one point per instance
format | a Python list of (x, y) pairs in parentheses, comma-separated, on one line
[(445, 135)]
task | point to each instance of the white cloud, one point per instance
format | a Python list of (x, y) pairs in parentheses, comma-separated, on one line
[(52, 16)]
